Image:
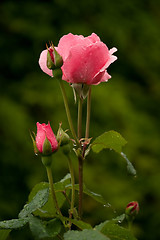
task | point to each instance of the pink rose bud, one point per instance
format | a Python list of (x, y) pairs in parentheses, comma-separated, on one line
[(132, 210), (85, 59), (54, 60), (46, 141)]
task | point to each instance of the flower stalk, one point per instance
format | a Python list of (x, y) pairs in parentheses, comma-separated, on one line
[(80, 160), (88, 113), (73, 185), (79, 123), (51, 185), (130, 225), (68, 111)]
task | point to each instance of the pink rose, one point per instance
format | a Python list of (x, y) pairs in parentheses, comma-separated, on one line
[(45, 131), (85, 59)]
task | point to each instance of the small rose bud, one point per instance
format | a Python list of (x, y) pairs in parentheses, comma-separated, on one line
[(54, 60), (132, 210), (62, 137), (46, 142)]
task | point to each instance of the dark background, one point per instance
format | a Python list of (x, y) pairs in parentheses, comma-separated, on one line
[(128, 103)]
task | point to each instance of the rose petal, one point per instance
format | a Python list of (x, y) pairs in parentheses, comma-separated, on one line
[(93, 38), (66, 42), (51, 137), (84, 63), (111, 58), (101, 77), (105, 77), (40, 137), (113, 50), (43, 63), (97, 79), (43, 131)]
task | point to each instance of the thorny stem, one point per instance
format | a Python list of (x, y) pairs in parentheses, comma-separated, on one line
[(50, 178)]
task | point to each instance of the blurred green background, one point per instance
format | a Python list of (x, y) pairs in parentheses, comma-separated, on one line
[(128, 103)]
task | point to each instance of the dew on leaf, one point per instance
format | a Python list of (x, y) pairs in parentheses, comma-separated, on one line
[(107, 205)]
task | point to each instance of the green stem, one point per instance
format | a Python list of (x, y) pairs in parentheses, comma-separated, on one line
[(130, 225), (87, 120), (67, 198), (73, 185), (59, 236), (88, 113), (80, 159), (50, 178), (79, 125), (67, 110)]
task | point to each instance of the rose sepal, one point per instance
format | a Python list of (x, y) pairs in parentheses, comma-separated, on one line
[(81, 90), (36, 151), (54, 60), (62, 137), (47, 148)]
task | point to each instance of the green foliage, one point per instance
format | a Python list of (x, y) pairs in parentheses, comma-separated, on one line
[(48, 210), (40, 198), (81, 225), (44, 229), (14, 223), (78, 223), (111, 229), (95, 196), (86, 234), (114, 221), (38, 201), (114, 231), (112, 140), (130, 167)]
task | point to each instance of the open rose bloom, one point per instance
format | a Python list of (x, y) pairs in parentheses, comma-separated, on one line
[(85, 59)]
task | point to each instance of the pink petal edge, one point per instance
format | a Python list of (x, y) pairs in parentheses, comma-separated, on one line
[(43, 63)]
